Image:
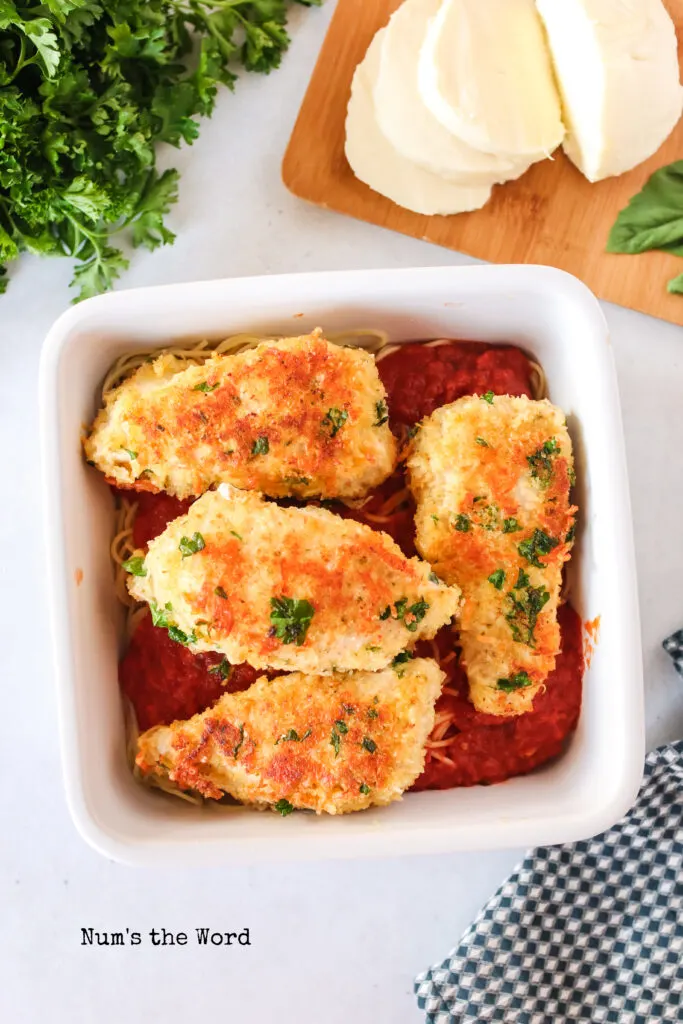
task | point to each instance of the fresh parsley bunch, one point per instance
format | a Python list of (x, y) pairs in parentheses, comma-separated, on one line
[(87, 90)]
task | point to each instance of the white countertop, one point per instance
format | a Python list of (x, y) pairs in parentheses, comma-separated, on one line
[(335, 941)]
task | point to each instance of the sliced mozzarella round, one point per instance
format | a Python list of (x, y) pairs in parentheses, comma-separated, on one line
[(485, 73), (617, 66), (375, 161), (409, 126)]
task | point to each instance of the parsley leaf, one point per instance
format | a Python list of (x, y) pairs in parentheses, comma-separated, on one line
[(369, 745), (538, 544), (205, 387), (541, 461), (191, 545), (488, 397), (88, 91), (364, 788), (462, 523), (220, 592), (284, 807), (160, 616), (290, 618), (223, 669), (382, 413), (409, 616), (261, 446), (516, 682), (181, 637), (497, 578), (511, 525), (401, 658), (524, 603), (482, 443), (135, 566), (334, 420)]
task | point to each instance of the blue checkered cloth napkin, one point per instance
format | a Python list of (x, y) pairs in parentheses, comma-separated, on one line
[(591, 931)]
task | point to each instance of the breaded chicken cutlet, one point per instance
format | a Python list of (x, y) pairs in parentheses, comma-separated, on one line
[(288, 588), (324, 743), (298, 416), (491, 477)]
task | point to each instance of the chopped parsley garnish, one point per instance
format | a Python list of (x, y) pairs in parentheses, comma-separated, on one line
[(382, 413), (497, 578), (571, 473), (364, 788), (341, 726), (511, 525), (297, 481), (516, 682), (541, 461), (482, 443), (417, 612), (433, 578), (412, 431), (373, 713), (180, 637), (160, 616), (524, 605), (523, 579), (348, 709), (236, 748), (135, 566), (290, 619), (223, 668), (409, 616), (401, 659), (369, 745), (205, 387), (335, 740), (334, 420), (131, 455), (488, 397), (571, 533), (463, 523), (260, 446), (219, 592), (236, 534), (538, 544), (292, 736), (191, 545), (435, 517), (284, 807)]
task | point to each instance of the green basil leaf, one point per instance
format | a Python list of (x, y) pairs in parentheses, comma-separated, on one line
[(653, 218), (675, 285)]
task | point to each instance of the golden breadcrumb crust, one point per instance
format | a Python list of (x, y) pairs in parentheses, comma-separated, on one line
[(289, 588), (298, 416), (491, 477), (326, 743)]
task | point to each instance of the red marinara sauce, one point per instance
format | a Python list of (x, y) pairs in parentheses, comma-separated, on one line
[(420, 378), (164, 681), (486, 748)]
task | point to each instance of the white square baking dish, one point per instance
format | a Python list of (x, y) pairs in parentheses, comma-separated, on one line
[(546, 312)]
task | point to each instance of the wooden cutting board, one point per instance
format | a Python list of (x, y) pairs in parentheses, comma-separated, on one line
[(551, 215)]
